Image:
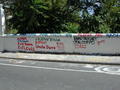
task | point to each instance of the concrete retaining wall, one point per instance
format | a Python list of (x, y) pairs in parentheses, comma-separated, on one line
[(1, 43), (63, 43)]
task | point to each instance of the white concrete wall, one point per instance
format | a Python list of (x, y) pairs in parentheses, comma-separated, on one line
[(1, 43), (103, 45), (64, 43), (41, 43), (10, 43)]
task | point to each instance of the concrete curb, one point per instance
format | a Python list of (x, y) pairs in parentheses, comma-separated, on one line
[(82, 60)]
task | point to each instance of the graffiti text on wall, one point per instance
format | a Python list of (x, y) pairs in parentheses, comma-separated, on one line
[(81, 42), (43, 43), (47, 39), (84, 40), (24, 44)]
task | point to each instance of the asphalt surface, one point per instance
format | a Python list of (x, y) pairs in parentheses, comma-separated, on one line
[(37, 75)]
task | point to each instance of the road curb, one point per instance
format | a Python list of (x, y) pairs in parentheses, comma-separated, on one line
[(64, 61)]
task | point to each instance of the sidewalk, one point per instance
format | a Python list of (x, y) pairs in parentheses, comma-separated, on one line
[(115, 60)]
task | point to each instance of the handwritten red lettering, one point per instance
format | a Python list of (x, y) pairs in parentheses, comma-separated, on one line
[(50, 47), (43, 47), (22, 38), (26, 48), (40, 42), (28, 44)]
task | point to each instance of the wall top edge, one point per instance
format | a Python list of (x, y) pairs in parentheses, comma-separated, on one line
[(69, 34)]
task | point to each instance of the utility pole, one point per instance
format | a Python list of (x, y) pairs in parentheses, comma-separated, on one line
[(2, 20)]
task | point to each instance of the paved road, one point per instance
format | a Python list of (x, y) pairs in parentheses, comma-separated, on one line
[(35, 75)]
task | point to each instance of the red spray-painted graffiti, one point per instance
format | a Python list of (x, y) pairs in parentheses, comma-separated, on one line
[(24, 44), (49, 43), (45, 47), (60, 45)]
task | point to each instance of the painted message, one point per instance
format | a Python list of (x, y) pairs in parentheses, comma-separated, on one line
[(49, 43), (82, 42), (24, 44)]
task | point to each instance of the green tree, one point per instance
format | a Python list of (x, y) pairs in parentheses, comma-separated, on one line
[(106, 19), (56, 16), (26, 14), (110, 15), (41, 16)]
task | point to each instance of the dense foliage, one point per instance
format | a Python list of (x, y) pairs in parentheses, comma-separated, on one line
[(41, 16), (70, 16)]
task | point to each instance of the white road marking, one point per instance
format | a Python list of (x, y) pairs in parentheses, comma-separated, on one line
[(108, 70), (89, 66), (47, 68)]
